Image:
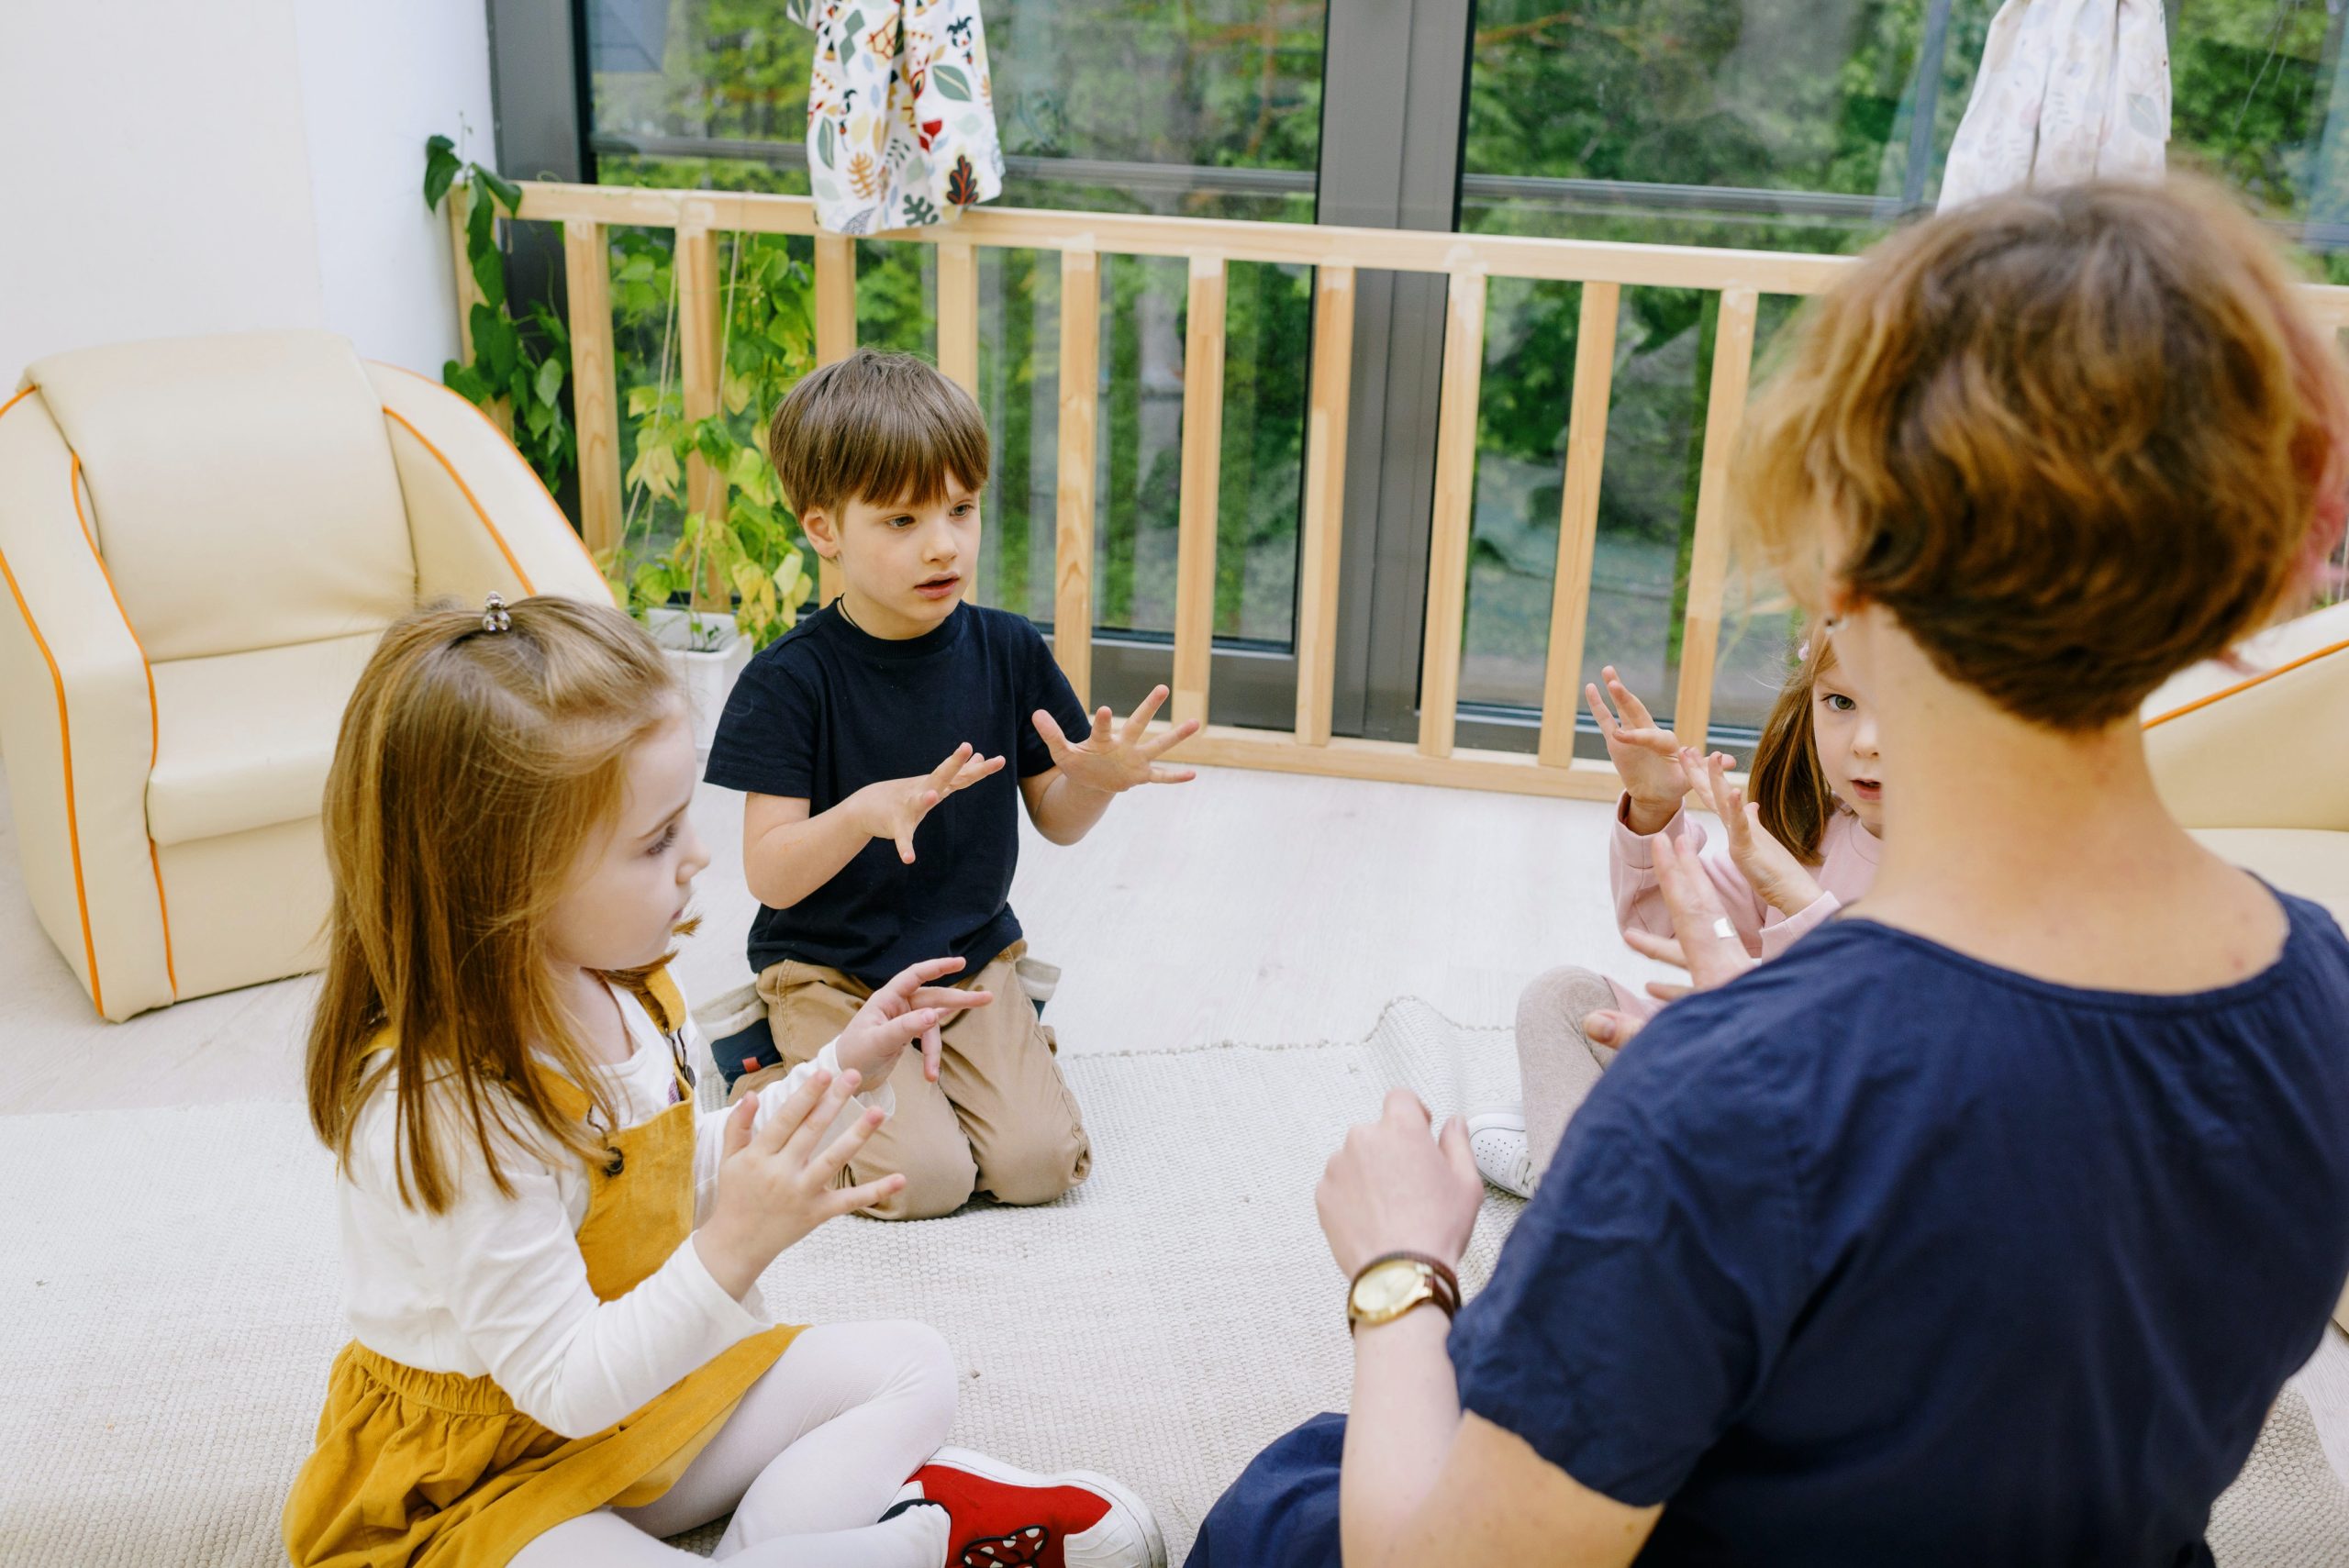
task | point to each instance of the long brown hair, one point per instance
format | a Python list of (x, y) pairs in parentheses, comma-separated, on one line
[(2073, 440), (1786, 780), (472, 768)]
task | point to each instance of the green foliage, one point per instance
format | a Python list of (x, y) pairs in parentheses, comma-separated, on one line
[(1232, 83), (746, 549), (518, 366), (1813, 96)]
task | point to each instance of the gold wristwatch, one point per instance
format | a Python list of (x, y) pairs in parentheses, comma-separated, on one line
[(1393, 1284)]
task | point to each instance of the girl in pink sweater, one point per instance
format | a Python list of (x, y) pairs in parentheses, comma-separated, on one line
[(1797, 842)]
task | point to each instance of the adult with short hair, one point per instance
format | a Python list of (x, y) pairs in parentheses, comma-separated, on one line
[(1985, 1225)]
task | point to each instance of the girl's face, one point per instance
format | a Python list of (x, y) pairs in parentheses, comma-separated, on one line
[(1843, 729), (628, 890)]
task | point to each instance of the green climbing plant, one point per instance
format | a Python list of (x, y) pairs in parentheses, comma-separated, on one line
[(748, 548), (518, 364)]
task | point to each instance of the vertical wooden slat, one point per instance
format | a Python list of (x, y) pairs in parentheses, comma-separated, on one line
[(1202, 474), (1709, 555), (460, 202), (1455, 487), (1578, 520), (1080, 393), (698, 335), (958, 313), (1325, 500), (835, 338), (595, 408), (958, 335)]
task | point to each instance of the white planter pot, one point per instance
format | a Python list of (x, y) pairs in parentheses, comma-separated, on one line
[(707, 654)]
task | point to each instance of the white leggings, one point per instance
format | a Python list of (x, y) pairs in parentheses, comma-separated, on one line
[(808, 1461)]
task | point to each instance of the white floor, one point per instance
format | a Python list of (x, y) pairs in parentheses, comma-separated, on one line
[(1243, 906), (1248, 907)]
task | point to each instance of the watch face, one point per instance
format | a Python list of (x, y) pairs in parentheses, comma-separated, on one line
[(1384, 1288)]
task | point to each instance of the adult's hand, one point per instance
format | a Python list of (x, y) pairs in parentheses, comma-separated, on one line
[(1705, 944), (1392, 1188)]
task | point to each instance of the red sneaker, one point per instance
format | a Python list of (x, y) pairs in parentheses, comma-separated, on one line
[(1006, 1517)]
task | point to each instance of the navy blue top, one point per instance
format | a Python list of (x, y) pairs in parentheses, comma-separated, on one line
[(827, 709), (1883, 1254)]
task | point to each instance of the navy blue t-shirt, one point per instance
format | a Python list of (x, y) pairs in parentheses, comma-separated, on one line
[(827, 709), (1883, 1254)]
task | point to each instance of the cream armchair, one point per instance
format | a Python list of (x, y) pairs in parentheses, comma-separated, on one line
[(202, 540), (2253, 757)]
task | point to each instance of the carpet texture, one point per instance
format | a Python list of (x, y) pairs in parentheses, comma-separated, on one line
[(167, 1281)]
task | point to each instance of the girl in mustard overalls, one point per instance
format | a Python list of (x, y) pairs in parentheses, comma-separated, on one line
[(550, 1259)]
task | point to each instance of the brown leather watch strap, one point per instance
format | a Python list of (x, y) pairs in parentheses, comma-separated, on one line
[(1447, 1283)]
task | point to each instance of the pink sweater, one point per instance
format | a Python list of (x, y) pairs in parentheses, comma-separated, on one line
[(1848, 860)]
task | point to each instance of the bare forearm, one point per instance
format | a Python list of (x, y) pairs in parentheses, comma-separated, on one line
[(792, 860), (1067, 811), (1405, 1416)]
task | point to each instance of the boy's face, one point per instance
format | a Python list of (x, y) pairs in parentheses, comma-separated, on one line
[(903, 567)]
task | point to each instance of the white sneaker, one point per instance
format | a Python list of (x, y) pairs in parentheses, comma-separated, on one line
[(1498, 1139), (1006, 1517)]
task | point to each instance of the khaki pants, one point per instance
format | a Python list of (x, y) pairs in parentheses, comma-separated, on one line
[(999, 1120)]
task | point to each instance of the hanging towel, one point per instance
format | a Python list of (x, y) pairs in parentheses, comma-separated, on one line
[(2069, 90), (900, 114)]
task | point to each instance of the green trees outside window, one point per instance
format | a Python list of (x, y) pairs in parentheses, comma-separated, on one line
[(1808, 125)]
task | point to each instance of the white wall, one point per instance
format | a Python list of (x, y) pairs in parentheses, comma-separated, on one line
[(378, 78), (178, 169)]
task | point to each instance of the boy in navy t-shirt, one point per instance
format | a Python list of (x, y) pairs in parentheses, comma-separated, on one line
[(880, 727)]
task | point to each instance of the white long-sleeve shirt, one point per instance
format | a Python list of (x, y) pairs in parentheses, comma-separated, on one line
[(497, 1285)]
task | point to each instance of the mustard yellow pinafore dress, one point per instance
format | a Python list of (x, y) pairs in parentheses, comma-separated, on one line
[(439, 1469)]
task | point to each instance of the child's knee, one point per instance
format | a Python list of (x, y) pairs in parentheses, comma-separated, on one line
[(940, 1176), (927, 1378), (1553, 1006), (1038, 1168)]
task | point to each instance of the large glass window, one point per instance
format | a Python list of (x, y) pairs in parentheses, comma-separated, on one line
[(1124, 105), (1800, 125), (1794, 125)]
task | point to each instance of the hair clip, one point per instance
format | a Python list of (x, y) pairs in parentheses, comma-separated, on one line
[(494, 617)]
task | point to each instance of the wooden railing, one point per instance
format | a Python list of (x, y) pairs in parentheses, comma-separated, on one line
[(1337, 255)]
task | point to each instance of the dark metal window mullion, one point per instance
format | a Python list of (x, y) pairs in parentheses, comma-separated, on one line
[(1394, 96)]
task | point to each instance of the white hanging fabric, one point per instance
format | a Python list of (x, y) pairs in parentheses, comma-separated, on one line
[(901, 112), (2069, 90)]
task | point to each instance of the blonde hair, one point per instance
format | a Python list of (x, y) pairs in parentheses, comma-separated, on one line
[(2073, 440), (472, 768), (1786, 780)]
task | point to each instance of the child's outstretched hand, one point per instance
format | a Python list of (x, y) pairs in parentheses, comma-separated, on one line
[(1783, 881), (1646, 755), (906, 1009), (1115, 758), (775, 1185), (893, 808)]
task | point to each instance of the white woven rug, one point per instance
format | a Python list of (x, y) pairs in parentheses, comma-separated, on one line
[(167, 1303)]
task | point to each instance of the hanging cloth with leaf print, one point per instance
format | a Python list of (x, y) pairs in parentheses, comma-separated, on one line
[(2070, 90), (900, 114)]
